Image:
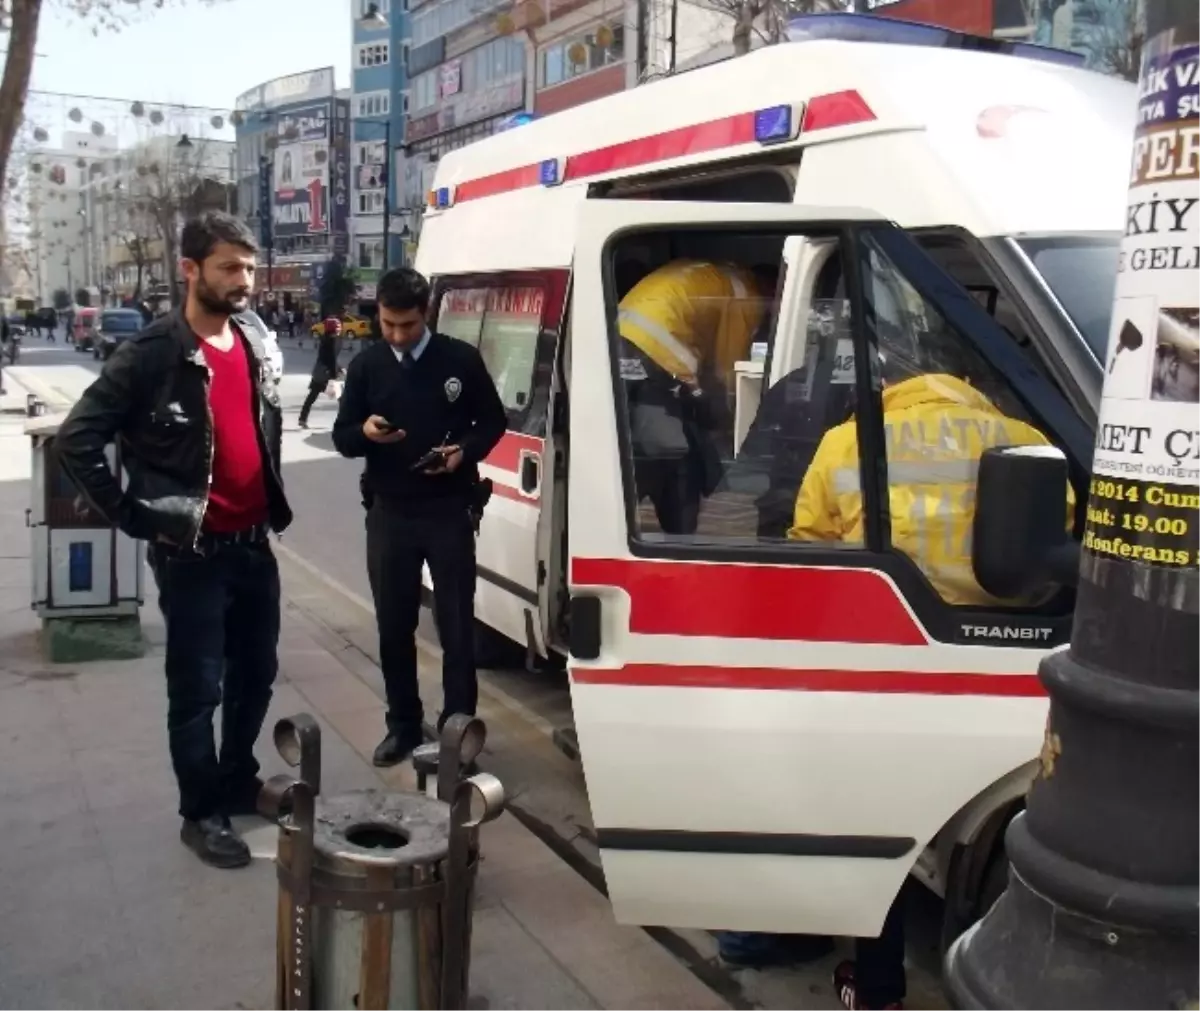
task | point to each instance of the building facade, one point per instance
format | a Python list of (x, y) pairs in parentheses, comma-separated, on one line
[(294, 180), (378, 105), (62, 235)]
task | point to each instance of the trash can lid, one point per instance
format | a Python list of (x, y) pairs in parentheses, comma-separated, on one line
[(378, 827)]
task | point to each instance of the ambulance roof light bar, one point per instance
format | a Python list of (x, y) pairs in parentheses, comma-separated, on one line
[(872, 28)]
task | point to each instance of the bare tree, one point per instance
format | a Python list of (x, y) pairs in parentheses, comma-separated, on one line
[(168, 190), (766, 20), (1122, 34), (21, 19)]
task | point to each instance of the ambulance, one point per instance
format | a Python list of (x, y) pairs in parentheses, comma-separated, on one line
[(774, 733)]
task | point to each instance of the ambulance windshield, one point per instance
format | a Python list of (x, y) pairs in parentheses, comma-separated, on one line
[(1081, 270)]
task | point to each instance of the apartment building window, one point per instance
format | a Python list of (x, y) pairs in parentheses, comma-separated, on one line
[(499, 59), (370, 202), (369, 154), (373, 54), (370, 253), (423, 91), (372, 103), (364, 6), (445, 16), (590, 49)]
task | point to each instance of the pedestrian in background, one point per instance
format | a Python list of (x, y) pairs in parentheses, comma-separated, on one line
[(326, 369), (423, 411), (192, 400)]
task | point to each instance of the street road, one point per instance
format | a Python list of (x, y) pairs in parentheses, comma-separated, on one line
[(328, 535)]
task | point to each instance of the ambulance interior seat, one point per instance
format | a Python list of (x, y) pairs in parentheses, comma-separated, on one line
[(789, 426)]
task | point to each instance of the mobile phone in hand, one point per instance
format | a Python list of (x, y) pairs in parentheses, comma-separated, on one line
[(386, 426)]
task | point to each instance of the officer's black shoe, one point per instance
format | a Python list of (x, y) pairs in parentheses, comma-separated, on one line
[(214, 841), (396, 747)]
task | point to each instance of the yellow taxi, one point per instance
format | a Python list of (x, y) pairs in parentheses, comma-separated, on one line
[(352, 326)]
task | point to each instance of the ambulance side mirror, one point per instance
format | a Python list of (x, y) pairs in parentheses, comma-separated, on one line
[(1020, 543)]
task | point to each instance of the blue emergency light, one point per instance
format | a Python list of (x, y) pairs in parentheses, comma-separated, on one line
[(873, 28), (548, 172), (515, 120), (442, 197), (775, 125)]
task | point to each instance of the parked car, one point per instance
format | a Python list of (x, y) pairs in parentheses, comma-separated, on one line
[(115, 325), (83, 329)]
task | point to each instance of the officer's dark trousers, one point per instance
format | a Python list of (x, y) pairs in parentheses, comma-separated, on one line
[(399, 540)]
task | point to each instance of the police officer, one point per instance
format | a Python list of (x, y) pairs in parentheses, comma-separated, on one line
[(423, 411)]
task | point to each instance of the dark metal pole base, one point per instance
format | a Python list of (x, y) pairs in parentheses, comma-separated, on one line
[(1030, 952)]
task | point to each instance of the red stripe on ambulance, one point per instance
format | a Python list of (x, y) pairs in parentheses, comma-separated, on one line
[(823, 112), (687, 140), (755, 601), (875, 682), (507, 454)]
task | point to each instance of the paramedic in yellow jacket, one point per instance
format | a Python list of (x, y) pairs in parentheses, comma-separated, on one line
[(936, 428), (684, 326)]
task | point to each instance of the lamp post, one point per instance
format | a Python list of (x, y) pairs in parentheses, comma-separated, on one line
[(1101, 908)]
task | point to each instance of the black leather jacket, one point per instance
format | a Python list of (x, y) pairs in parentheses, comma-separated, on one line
[(152, 400)]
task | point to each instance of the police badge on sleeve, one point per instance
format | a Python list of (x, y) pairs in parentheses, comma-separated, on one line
[(453, 388)]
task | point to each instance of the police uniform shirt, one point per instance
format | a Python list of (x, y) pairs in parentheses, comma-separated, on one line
[(438, 393)]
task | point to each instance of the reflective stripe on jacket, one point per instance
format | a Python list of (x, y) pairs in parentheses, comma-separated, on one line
[(688, 314), (936, 428)]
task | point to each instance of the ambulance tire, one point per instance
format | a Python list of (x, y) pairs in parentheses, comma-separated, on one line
[(495, 651), (977, 877), (995, 880)]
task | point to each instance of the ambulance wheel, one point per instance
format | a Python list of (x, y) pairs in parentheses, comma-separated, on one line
[(976, 877), (496, 651), (995, 880)]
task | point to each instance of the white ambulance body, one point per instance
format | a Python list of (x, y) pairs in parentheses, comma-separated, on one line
[(773, 736)]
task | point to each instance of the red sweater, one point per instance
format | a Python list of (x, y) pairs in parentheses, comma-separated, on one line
[(237, 497)]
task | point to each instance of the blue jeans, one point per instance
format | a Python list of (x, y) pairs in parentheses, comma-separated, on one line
[(222, 615)]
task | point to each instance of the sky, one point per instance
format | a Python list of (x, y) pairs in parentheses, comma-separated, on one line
[(192, 52)]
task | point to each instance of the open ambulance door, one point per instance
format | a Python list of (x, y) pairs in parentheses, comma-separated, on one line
[(772, 729)]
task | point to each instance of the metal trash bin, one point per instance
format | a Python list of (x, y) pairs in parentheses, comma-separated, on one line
[(376, 888), (443, 763)]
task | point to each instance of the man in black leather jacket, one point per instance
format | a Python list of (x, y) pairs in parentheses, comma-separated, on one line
[(191, 404)]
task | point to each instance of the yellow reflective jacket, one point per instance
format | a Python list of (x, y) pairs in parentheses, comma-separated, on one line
[(936, 428), (689, 313)]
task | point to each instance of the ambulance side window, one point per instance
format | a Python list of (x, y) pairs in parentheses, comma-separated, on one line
[(508, 322), (713, 454), (943, 405)]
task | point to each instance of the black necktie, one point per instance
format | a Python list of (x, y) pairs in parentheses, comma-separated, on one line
[(406, 360)]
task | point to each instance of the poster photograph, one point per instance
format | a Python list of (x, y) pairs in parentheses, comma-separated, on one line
[(301, 188), (1145, 493)]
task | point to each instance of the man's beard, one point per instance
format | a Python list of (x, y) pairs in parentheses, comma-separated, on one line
[(223, 304)]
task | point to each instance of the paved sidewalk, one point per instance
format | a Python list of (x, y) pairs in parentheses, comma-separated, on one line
[(100, 904)]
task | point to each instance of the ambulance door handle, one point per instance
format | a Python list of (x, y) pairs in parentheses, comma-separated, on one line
[(530, 472), (583, 639)]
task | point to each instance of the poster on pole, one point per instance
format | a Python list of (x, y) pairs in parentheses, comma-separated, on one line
[(1145, 492)]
